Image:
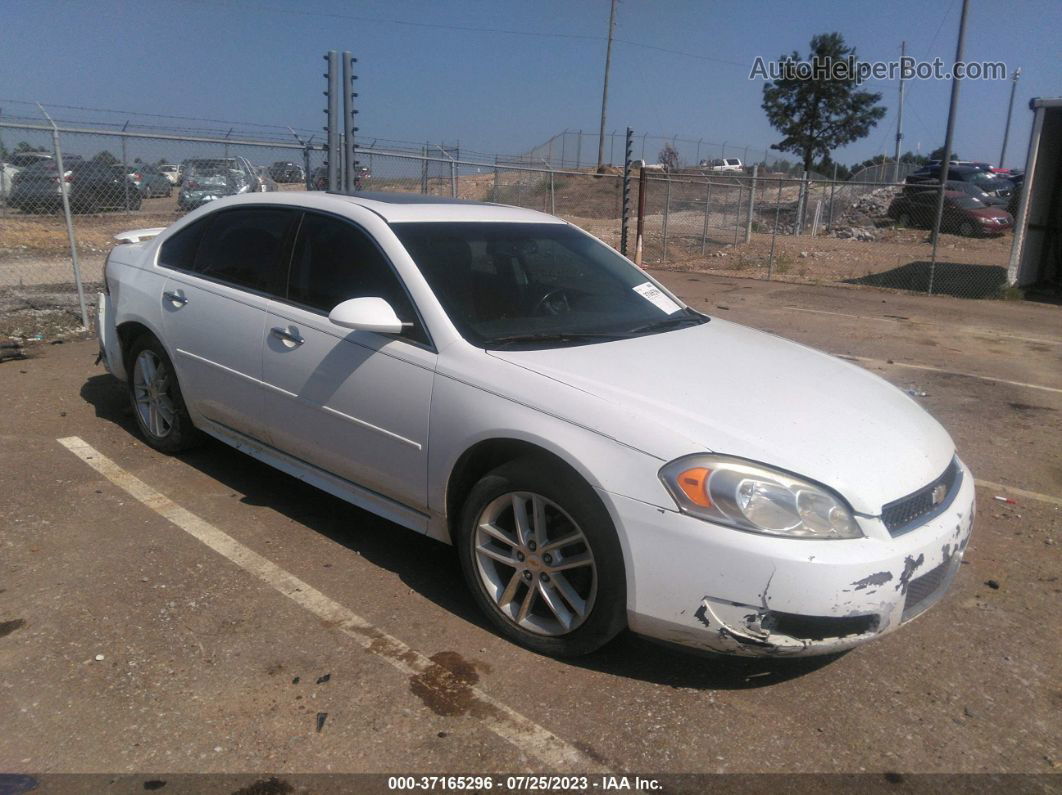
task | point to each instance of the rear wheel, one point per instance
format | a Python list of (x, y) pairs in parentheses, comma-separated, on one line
[(156, 397), (966, 229), (542, 559)]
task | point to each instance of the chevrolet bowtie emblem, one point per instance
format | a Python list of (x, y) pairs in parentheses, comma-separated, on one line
[(939, 492)]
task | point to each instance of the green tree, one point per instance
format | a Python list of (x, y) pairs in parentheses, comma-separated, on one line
[(106, 158), (819, 113), (25, 146)]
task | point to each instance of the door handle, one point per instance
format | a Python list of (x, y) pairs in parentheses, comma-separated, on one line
[(175, 298), (286, 336)]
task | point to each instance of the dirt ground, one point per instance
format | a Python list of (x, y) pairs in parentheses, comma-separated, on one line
[(129, 646)]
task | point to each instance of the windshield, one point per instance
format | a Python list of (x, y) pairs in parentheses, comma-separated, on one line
[(968, 203), (536, 285), (990, 183)]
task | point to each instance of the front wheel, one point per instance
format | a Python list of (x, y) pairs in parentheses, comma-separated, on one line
[(542, 559), (156, 397), (966, 229)]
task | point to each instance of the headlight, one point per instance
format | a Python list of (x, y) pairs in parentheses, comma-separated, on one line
[(756, 498)]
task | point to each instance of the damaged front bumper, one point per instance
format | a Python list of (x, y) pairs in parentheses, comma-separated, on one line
[(711, 587)]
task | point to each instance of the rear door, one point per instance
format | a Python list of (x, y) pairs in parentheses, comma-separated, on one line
[(353, 403), (223, 270)]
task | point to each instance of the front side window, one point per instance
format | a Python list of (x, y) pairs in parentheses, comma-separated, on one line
[(334, 261), (536, 285), (243, 248)]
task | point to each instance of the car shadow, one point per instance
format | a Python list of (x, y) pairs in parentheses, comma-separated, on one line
[(962, 280), (432, 569)]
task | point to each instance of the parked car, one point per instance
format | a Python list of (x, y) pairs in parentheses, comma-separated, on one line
[(12, 164), (969, 188), (963, 214), (266, 183), (207, 179), (319, 178), (148, 180), (172, 172), (989, 183), (91, 187), (286, 171), (729, 164), (601, 455)]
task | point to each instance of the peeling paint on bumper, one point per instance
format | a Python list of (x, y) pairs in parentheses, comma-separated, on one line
[(753, 595)]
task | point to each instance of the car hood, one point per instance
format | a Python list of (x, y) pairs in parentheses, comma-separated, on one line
[(736, 391)]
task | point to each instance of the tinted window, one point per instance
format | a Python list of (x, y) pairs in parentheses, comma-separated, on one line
[(510, 283), (243, 247), (335, 261), (179, 250)]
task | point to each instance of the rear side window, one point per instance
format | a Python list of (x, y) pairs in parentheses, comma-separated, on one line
[(243, 248), (335, 260), (179, 250)]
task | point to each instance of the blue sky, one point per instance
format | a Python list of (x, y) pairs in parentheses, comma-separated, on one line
[(260, 62)]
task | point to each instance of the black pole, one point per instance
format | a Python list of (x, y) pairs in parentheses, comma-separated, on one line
[(627, 152)]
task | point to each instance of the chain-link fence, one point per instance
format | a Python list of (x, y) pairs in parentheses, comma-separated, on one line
[(872, 230)]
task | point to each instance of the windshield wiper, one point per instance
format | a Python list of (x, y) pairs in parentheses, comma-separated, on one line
[(557, 336), (671, 322)]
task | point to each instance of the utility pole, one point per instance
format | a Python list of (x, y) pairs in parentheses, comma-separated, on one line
[(1010, 109), (899, 115), (604, 91), (945, 160)]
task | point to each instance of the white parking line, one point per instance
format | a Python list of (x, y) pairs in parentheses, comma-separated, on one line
[(948, 372), (505, 722)]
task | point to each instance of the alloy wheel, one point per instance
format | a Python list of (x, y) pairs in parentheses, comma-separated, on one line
[(535, 563), (151, 393)]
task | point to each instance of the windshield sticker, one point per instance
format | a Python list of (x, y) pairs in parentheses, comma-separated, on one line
[(651, 293)]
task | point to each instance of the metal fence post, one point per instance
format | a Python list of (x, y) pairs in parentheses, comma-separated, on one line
[(752, 204), (802, 199), (774, 230), (707, 212), (667, 212), (64, 192), (424, 171), (494, 192), (453, 179), (833, 186), (737, 213), (816, 217), (625, 212), (579, 150), (125, 169)]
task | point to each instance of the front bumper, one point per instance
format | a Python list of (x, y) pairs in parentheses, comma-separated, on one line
[(711, 587)]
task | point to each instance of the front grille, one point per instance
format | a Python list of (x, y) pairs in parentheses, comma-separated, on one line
[(907, 513), (923, 592)]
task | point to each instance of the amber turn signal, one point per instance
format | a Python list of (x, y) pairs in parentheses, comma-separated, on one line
[(694, 484)]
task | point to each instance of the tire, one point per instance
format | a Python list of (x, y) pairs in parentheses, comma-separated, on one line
[(157, 402), (966, 229), (529, 600), (903, 220)]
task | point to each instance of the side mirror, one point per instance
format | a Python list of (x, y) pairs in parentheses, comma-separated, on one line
[(366, 314)]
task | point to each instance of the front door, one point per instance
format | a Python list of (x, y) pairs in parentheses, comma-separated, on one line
[(353, 403)]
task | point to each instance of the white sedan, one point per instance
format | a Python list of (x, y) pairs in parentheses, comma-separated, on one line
[(602, 455)]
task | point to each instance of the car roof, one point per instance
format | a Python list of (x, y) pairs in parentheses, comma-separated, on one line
[(398, 207)]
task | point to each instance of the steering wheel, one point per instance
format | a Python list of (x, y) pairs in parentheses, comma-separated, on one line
[(554, 302)]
